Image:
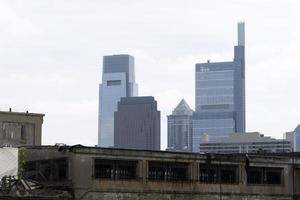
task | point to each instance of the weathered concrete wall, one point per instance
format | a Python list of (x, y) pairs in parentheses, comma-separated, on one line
[(160, 196), (81, 171), (20, 128)]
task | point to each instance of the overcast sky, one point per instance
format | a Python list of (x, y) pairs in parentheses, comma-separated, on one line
[(51, 57)]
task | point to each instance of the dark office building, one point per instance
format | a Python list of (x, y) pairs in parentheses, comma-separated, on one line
[(137, 124)]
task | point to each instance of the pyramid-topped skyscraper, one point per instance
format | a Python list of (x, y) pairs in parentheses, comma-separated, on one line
[(180, 128)]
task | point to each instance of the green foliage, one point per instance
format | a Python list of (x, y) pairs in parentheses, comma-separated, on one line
[(21, 162)]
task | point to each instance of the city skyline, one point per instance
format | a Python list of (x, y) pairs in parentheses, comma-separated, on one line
[(53, 66)]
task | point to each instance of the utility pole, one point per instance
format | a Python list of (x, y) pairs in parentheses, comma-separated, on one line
[(293, 163), (220, 184)]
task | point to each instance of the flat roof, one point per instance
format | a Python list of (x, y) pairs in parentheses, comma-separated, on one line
[(258, 154), (22, 113)]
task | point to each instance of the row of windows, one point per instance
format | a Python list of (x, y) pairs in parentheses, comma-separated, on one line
[(215, 106), (213, 83), (215, 90), (263, 175), (202, 123), (179, 171), (215, 75), (246, 145), (206, 100), (12, 133), (207, 148)]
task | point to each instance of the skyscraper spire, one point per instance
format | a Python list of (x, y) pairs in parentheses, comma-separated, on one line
[(241, 34), (220, 105)]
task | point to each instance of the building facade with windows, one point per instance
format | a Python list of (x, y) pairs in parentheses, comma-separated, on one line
[(180, 128), (253, 142), (118, 80), (291, 137), (111, 173), (220, 96), (297, 138), (20, 128), (137, 123)]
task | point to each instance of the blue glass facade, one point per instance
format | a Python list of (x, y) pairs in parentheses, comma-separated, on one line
[(220, 96), (297, 138), (118, 80)]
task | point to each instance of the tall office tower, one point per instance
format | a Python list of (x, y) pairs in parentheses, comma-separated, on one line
[(180, 128), (220, 96), (118, 80), (297, 138), (137, 124)]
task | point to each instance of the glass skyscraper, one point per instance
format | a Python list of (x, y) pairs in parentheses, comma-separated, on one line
[(297, 138), (220, 96), (180, 128), (118, 80)]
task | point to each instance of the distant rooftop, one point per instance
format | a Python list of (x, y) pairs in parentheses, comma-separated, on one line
[(182, 109), (10, 112), (244, 137)]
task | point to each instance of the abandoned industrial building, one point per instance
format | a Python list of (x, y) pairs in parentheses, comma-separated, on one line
[(20, 128), (108, 173)]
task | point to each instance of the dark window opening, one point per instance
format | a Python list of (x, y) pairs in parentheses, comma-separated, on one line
[(115, 169), (46, 170), (168, 171), (23, 132), (209, 175), (264, 175), (60, 169), (254, 176), (218, 173), (103, 169), (113, 82)]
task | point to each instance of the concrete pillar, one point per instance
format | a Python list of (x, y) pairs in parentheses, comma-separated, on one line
[(144, 170)]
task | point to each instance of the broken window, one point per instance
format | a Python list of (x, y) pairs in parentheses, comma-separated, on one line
[(254, 175), (23, 132), (46, 170), (103, 168), (208, 174), (60, 169), (126, 169), (229, 174), (211, 173), (168, 171), (115, 169), (264, 175)]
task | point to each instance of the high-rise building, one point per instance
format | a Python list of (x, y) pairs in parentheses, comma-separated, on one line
[(137, 124), (297, 138), (118, 80), (291, 137), (180, 128), (220, 95)]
